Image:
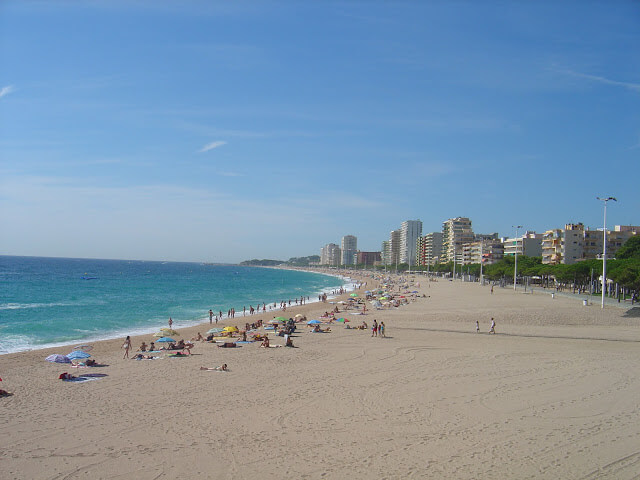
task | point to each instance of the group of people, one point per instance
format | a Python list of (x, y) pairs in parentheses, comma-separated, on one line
[(377, 329), (143, 348), (492, 328)]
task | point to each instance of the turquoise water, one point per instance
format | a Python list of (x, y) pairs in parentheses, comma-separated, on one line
[(57, 301)]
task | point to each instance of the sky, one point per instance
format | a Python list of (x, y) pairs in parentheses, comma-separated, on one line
[(224, 131)]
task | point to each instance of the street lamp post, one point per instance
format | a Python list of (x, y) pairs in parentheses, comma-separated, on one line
[(604, 246), (481, 258), (515, 265)]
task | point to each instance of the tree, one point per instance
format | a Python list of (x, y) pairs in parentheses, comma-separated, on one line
[(630, 249)]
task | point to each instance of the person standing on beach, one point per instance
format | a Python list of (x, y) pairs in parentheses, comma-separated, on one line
[(381, 329), (477, 326), (170, 323), (210, 317), (374, 328), (126, 345), (493, 326)]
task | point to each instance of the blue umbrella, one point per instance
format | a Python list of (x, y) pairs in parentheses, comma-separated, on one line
[(76, 354), (165, 339), (57, 358), (313, 322)]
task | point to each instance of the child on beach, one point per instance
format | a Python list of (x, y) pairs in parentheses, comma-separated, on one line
[(493, 326)]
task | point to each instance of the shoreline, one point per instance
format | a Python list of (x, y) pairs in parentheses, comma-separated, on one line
[(147, 330)]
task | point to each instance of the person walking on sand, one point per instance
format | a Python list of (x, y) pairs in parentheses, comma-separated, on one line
[(210, 317), (477, 326), (170, 323), (381, 329), (126, 345), (374, 328), (493, 326)]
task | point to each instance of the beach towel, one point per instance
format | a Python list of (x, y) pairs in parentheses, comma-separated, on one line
[(79, 379)]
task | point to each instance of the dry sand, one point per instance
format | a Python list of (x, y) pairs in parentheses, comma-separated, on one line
[(554, 394)]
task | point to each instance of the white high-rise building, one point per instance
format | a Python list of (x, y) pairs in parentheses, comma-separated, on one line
[(330, 255), (385, 252), (455, 233), (349, 249), (410, 231)]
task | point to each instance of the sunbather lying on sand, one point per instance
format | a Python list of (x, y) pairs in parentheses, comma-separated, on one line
[(221, 368), (141, 356), (317, 329)]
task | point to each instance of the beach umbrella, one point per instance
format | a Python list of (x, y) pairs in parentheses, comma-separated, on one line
[(214, 330), (281, 319), (313, 322), (165, 340), (299, 315), (230, 329), (57, 358), (342, 320), (353, 295), (383, 298), (77, 354)]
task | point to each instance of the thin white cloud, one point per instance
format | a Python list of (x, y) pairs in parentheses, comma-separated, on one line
[(211, 146), (6, 90), (606, 81)]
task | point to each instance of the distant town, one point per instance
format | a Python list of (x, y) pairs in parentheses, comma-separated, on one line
[(457, 249), (457, 243)]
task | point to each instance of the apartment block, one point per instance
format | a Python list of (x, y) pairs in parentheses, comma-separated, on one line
[(563, 245), (529, 244), (368, 258), (455, 233), (486, 251), (593, 240), (349, 248), (410, 231), (429, 249), (330, 255)]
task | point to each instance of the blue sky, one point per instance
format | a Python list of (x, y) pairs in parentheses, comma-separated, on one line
[(223, 131)]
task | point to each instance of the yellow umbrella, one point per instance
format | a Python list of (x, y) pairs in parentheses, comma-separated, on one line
[(230, 329)]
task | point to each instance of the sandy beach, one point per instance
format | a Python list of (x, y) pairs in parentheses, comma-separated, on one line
[(555, 393)]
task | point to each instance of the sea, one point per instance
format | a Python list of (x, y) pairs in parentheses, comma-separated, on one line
[(46, 302)]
